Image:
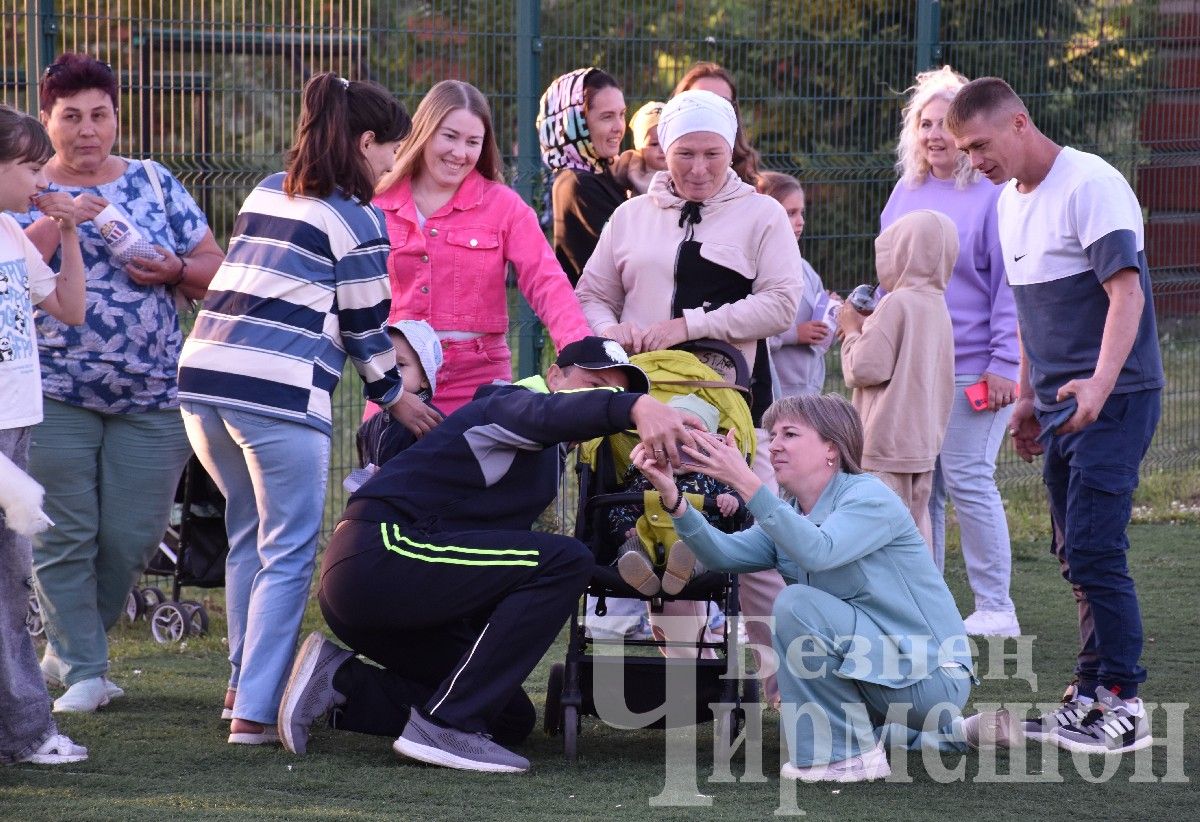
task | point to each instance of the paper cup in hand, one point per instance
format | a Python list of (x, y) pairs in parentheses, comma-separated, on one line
[(124, 240)]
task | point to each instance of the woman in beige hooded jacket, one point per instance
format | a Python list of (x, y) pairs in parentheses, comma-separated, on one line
[(900, 359), (701, 254)]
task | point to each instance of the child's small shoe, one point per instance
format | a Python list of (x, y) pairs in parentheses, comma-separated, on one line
[(635, 568), (682, 565)]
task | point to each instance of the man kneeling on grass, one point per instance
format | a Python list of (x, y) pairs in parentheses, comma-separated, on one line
[(433, 571)]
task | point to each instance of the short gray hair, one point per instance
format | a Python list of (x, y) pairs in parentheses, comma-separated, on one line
[(831, 416)]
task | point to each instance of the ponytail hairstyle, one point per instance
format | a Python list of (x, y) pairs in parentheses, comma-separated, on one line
[(334, 114), (22, 138)]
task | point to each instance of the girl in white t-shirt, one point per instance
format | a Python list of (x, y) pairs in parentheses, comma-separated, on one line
[(27, 731)]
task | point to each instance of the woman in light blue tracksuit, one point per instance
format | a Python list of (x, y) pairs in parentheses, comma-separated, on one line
[(866, 629)]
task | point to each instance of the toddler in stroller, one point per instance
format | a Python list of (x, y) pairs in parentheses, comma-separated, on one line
[(715, 373), (652, 558)]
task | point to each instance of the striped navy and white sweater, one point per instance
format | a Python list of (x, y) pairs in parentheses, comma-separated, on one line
[(303, 286)]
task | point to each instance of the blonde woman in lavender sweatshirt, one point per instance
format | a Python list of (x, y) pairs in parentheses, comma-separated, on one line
[(934, 175)]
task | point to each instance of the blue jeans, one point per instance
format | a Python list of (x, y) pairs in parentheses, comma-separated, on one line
[(25, 721), (110, 481), (1090, 476), (272, 473), (966, 470)]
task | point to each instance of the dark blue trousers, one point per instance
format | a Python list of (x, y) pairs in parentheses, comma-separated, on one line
[(457, 620), (1091, 476)]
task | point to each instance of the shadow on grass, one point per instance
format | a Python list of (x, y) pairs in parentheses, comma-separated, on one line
[(161, 751)]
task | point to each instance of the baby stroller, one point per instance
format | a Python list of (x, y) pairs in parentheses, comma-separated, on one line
[(718, 373), (192, 552)]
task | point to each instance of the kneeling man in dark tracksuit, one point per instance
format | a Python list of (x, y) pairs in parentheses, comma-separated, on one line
[(434, 574)]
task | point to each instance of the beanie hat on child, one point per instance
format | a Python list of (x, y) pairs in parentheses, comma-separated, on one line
[(644, 119), (693, 404), (425, 343)]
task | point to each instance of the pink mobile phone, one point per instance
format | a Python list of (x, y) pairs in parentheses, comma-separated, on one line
[(977, 395)]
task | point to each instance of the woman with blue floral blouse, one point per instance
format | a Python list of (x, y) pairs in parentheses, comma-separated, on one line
[(112, 445)]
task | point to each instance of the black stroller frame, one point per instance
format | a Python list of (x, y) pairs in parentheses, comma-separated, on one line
[(569, 694), (192, 553)]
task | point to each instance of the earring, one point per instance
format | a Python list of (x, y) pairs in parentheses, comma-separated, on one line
[(829, 461)]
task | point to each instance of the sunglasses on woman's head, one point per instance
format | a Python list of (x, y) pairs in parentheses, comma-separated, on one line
[(55, 68)]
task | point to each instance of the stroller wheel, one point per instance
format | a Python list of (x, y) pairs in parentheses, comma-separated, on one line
[(33, 617), (169, 623), (197, 617), (135, 606), (570, 729), (552, 721), (153, 597)]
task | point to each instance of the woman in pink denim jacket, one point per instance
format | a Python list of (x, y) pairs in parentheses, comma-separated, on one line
[(453, 227)]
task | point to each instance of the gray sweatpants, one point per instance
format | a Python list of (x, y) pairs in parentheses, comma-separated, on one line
[(25, 721)]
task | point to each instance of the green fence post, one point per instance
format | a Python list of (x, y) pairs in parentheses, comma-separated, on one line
[(529, 49), (929, 46), (41, 37)]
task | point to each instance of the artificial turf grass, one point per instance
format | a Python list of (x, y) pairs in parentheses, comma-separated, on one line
[(160, 751)]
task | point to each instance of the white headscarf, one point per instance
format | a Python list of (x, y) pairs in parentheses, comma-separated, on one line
[(696, 110)]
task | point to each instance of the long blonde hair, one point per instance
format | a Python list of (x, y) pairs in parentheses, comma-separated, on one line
[(445, 97), (911, 165)]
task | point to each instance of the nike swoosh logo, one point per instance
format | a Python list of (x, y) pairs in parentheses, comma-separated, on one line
[(1020, 257)]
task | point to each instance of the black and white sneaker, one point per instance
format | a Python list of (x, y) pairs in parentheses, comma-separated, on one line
[(1072, 710), (427, 741), (1109, 727)]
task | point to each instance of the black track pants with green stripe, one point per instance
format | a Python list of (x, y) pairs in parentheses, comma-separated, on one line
[(468, 613)]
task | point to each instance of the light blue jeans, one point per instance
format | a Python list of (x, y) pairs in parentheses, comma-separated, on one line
[(25, 721), (966, 471), (110, 481), (273, 475)]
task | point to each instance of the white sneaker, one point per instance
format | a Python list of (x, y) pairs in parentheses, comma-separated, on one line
[(57, 750), (992, 623), (992, 729), (872, 764), (54, 672), (83, 697)]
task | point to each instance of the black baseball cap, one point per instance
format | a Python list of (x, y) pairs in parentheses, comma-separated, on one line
[(597, 354)]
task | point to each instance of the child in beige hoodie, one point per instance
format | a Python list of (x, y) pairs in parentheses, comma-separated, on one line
[(900, 359)]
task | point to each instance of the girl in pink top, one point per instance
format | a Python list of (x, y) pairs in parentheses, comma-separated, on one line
[(453, 227)]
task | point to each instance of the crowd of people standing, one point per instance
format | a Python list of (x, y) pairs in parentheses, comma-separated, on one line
[(387, 243)]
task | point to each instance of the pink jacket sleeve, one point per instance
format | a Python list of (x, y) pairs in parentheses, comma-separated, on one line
[(541, 278)]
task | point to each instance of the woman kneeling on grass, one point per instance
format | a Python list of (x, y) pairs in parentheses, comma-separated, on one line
[(866, 627)]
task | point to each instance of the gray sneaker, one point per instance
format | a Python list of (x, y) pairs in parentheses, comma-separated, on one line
[(451, 748), (1072, 710), (1110, 727), (309, 694)]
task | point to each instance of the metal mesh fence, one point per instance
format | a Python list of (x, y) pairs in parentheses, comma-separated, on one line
[(210, 89)]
